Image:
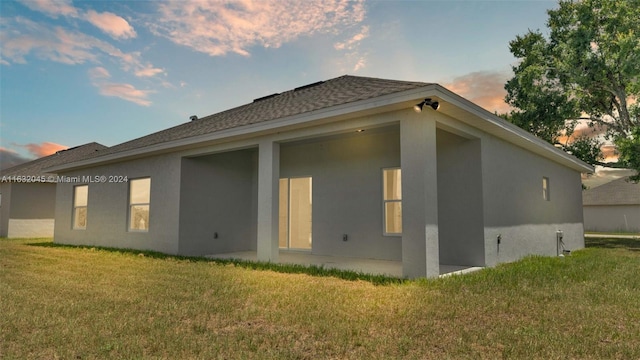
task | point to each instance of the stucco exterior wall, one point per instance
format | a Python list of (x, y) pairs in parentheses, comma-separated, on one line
[(33, 200), (30, 228), (347, 191), (514, 207), (485, 187), (460, 219), (27, 209), (108, 204), (612, 218), (5, 206), (217, 197)]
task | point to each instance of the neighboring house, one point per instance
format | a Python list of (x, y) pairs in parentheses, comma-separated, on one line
[(344, 167), (29, 194), (612, 207)]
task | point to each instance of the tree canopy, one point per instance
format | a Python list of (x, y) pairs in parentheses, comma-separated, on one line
[(586, 69)]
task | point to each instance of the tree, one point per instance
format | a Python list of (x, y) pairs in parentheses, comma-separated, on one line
[(588, 69), (629, 149)]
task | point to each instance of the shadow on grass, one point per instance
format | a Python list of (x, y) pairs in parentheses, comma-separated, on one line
[(312, 270), (609, 243)]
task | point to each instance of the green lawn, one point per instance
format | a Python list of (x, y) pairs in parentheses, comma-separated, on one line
[(75, 303)]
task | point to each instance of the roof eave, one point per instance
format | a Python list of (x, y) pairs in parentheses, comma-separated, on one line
[(334, 113), (489, 123)]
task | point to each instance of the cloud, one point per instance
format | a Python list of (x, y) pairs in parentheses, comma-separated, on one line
[(353, 59), (604, 175), (45, 43), (99, 73), (127, 92), (53, 8), (610, 153), (44, 148), (57, 44), (217, 28), (355, 39), (362, 62), (485, 88), (99, 78), (148, 71), (10, 158), (111, 24), (583, 129), (65, 46)]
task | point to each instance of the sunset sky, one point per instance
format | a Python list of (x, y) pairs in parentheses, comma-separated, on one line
[(73, 72)]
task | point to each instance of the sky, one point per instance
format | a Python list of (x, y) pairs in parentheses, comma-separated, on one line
[(74, 72)]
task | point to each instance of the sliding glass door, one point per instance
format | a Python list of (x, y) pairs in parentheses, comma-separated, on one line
[(295, 213)]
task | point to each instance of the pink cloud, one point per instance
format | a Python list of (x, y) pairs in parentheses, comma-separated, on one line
[(350, 43), (44, 148), (485, 88), (60, 45), (52, 8), (362, 62), (126, 92), (99, 77), (65, 46), (610, 153), (111, 24), (108, 22), (217, 28), (148, 71)]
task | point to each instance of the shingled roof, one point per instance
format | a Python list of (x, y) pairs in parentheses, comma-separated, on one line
[(36, 167), (617, 192), (323, 94)]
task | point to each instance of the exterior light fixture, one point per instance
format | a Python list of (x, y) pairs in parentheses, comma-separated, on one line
[(426, 102)]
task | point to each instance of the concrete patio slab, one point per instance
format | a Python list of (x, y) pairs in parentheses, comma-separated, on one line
[(368, 266)]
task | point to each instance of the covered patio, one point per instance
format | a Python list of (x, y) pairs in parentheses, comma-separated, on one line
[(368, 266)]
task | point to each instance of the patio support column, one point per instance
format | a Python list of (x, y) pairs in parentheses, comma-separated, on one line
[(268, 188), (420, 253)]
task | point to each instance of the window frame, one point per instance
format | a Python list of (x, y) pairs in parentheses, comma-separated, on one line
[(76, 207), (546, 194), (386, 201), (132, 204)]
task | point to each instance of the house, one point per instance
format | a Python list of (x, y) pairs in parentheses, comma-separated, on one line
[(354, 167), (28, 194), (612, 207)]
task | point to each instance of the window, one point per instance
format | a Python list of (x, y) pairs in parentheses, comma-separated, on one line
[(545, 188), (392, 201), (80, 195), (139, 198)]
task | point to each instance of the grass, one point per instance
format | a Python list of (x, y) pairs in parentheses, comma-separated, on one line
[(254, 265), (87, 303)]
